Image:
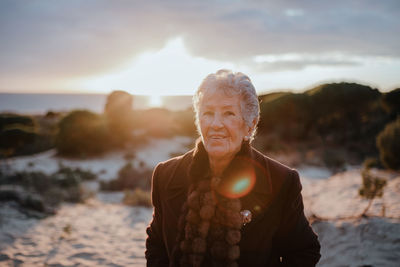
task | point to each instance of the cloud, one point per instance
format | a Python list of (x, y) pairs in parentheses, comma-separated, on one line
[(82, 38), (299, 61)]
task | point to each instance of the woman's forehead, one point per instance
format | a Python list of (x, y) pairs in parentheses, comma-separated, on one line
[(220, 99)]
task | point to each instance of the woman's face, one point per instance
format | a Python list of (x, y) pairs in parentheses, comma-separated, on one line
[(221, 124)]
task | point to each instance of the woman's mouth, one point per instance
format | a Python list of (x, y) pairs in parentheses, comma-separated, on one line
[(217, 137)]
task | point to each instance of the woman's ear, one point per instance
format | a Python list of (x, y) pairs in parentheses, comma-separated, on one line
[(252, 127)]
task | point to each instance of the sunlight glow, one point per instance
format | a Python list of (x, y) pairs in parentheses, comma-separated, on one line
[(169, 71), (155, 101)]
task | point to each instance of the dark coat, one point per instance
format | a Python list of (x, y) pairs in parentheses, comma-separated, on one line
[(279, 233)]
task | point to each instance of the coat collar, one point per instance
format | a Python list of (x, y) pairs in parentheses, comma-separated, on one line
[(199, 168), (246, 177)]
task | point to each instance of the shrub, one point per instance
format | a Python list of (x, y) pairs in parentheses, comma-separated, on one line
[(156, 122), (183, 122), (8, 119), (388, 143), (23, 135), (16, 138), (16, 133), (137, 197), (75, 174), (391, 102), (371, 187), (334, 159), (371, 163), (42, 192), (119, 115), (82, 133), (128, 178)]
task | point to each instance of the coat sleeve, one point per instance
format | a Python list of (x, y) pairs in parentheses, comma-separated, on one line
[(156, 253), (296, 242)]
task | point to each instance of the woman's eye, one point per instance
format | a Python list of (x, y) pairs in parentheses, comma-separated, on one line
[(229, 113), (208, 113)]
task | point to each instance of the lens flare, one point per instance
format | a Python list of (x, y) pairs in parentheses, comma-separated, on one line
[(241, 185), (238, 186)]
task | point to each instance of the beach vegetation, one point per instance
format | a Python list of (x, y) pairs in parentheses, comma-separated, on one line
[(129, 177), (372, 187), (343, 117), (44, 192), (119, 117), (372, 162), (20, 135), (137, 197), (82, 133), (391, 102), (388, 143), (9, 119)]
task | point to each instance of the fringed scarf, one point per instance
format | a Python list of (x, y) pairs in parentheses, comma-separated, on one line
[(210, 221)]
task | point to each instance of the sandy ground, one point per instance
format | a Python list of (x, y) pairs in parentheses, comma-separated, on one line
[(346, 238), (91, 234), (104, 232), (106, 167)]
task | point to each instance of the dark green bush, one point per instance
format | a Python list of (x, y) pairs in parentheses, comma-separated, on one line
[(391, 102), (128, 178), (15, 138), (340, 115), (69, 173), (334, 159), (388, 143), (18, 134), (82, 133), (371, 163), (9, 119), (23, 135), (372, 186), (119, 116), (42, 190)]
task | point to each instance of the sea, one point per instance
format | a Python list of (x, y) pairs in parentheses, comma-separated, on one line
[(42, 103)]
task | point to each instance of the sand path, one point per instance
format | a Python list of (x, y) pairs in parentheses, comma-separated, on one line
[(91, 234)]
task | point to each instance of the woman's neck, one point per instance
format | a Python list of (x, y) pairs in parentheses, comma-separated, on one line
[(218, 165)]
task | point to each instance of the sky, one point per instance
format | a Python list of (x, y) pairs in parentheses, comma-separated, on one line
[(159, 47)]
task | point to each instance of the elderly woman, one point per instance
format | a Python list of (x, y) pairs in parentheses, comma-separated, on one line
[(224, 203)]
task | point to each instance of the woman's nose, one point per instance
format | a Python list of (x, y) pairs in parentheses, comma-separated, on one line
[(217, 121)]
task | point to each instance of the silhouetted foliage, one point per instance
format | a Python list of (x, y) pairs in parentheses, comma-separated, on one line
[(19, 135), (391, 102), (16, 138), (372, 187), (119, 115), (156, 122), (82, 133), (9, 119), (371, 163), (388, 143), (128, 178), (339, 114), (137, 197), (42, 192), (183, 122)]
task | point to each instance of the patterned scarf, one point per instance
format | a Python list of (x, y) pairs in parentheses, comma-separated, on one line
[(210, 222)]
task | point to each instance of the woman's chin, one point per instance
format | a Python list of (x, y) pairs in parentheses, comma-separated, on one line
[(217, 152)]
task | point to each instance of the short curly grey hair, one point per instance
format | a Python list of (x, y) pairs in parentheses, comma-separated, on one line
[(232, 84)]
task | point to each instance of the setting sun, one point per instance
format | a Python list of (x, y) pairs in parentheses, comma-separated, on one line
[(169, 71)]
